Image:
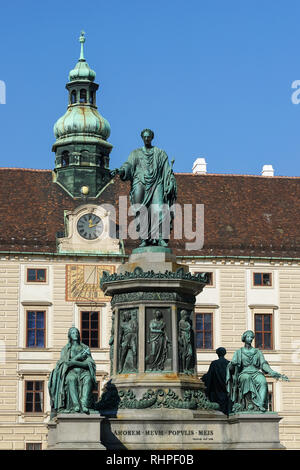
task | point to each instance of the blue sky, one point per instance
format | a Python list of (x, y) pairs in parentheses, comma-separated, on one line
[(212, 79)]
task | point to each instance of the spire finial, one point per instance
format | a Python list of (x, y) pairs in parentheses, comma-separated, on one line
[(82, 41)]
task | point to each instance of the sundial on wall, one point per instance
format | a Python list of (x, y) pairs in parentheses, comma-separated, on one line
[(83, 282)]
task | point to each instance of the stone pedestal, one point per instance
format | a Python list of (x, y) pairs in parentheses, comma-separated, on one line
[(75, 432), (154, 406), (255, 431), (152, 281), (165, 429)]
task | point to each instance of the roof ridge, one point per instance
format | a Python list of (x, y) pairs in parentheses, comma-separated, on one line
[(235, 174), (24, 169)]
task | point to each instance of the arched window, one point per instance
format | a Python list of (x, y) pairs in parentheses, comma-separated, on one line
[(65, 160), (73, 97), (83, 96), (91, 97)]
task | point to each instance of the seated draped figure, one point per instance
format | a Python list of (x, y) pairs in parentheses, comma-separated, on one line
[(73, 379), (246, 382)]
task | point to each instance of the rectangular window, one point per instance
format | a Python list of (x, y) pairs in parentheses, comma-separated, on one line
[(209, 276), (35, 328), (90, 329), (33, 446), (263, 331), (36, 275), (34, 396), (204, 331), (262, 279)]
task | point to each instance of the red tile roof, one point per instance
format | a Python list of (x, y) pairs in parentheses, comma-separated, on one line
[(243, 215)]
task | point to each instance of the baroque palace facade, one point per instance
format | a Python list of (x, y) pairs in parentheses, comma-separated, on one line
[(60, 229)]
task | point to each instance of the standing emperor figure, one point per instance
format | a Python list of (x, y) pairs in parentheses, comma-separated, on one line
[(153, 187)]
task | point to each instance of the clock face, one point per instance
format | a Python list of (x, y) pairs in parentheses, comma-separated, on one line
[(90, 226)]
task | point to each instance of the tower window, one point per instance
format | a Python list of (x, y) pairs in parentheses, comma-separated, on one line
[(73, 97), (83, 96), (65, 160), (91, 97)]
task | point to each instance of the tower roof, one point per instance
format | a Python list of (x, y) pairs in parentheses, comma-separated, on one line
[(82, 121), (82, 70)]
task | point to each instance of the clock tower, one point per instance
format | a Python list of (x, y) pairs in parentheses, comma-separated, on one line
[(81, 147)]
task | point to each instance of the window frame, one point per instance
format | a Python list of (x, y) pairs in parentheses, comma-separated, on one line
[(29, 281), (211, 331), (271, 332), (34, 391), (34, 444), (262, 285), (73, 97), (35, 329), (90, 329)]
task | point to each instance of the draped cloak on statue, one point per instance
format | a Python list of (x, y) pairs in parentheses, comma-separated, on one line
[(149, 169), (57, 386)]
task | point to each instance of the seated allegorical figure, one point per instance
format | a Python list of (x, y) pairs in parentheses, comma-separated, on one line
[(73, 379), (245, 378)]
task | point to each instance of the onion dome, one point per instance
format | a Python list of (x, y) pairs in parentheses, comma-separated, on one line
[(82, 119)]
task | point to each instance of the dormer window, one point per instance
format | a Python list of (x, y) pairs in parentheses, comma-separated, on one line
[(83, 96), (73, 97)]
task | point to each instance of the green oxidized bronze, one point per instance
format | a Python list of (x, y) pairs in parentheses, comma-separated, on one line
[(138, 273), (159, 343), (150, 295), (128, 341), (73, 380), (246, 382), (186, 343), (153, 191), (157, 398)]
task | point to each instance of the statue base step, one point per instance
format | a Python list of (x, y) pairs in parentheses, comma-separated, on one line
[(167, 429), (75, 431)]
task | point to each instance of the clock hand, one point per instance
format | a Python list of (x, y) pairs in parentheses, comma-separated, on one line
[(93, 225)]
